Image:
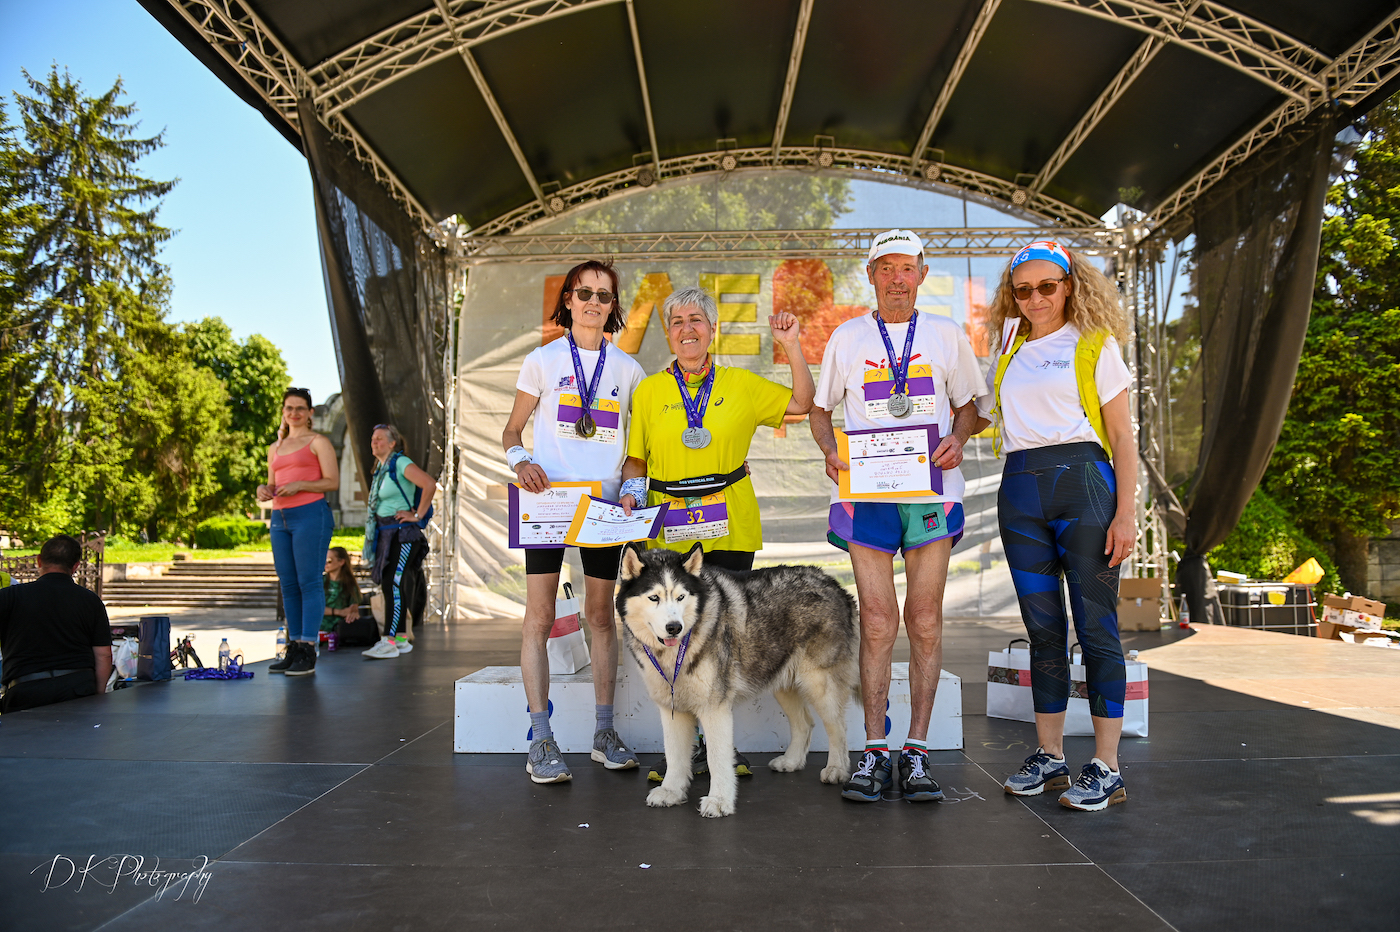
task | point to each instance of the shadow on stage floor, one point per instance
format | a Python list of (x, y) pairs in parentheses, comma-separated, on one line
[(335, 802)]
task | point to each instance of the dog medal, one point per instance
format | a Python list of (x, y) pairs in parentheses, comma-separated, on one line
[(899, 404), (696, 436), (585, 426)]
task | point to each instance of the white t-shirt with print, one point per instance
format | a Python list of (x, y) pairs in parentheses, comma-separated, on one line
[(1040, 404), (943, 375), (548, 374)]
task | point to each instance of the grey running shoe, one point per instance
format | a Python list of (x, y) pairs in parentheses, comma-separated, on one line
[(546, 762), (914, 780), (1039, 773), (871, 779), (609, 751), (1097, 788)]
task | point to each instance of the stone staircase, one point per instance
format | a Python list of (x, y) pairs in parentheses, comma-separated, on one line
[(199, 584)]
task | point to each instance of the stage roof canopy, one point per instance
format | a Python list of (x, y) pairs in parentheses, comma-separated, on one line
[(508, 112)]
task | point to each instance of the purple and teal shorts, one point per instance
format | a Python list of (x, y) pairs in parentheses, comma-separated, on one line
[(892, 527)]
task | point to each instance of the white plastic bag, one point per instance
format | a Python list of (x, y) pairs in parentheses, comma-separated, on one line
[(1009, 692), (124, 651), (568, 651)]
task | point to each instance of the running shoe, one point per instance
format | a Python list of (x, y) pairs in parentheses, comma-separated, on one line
[(609, 751), (1097, 788), (384, 649), (700, 763), (546, 762), (914, 780), (872, 777), (304, 663), (402, 644), (1039, 773)]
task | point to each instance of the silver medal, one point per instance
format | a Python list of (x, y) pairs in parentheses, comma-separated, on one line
[(696, 438), (900, 405)]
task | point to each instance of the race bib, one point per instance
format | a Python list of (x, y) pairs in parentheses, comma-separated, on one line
[(879, 385), (696, 518), (607, 414)]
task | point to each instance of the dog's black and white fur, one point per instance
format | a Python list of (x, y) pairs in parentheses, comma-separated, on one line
[(789, 629)]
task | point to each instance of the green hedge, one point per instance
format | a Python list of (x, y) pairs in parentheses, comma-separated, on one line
[(232, 531), (1267, 545)]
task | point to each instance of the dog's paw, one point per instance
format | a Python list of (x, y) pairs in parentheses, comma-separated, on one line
[(713, 807), (785, 764), (836, 774), (664, 796)]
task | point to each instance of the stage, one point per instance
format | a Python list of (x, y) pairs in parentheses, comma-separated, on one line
[(336, 802)]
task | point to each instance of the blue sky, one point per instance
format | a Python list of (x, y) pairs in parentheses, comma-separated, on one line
[(246, 246)]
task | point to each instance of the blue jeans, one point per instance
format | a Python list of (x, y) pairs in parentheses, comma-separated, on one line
[(300, 538)]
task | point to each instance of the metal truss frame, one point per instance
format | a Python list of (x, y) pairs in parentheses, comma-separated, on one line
[(1305, 77), (799, 43), (950, 83), (713, 246)]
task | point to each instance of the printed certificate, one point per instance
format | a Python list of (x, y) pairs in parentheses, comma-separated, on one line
[(598, 522), (889, 464), (542, 519)]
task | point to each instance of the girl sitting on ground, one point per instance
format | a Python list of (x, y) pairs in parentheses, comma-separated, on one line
[(342, 592)]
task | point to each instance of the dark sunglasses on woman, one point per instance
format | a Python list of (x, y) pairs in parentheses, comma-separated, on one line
[(1023, 292), (588, 294)]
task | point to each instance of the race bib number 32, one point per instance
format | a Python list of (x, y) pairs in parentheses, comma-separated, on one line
[(696, 518)]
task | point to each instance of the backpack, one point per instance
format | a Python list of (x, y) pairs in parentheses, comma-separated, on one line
[(417, 497), (1086, 361)]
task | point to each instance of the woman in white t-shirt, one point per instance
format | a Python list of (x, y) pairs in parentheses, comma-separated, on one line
[(579, 388), (1059, 396)]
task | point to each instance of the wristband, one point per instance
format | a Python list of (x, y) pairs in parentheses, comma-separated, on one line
[(517, 455), (636, 487)]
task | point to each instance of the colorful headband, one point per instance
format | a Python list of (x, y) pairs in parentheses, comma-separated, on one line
[(1047, 250)]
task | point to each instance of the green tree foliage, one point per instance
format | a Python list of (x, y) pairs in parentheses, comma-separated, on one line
[(744, 201), (111, 417), (1267, 545), (254, 374), (1336, 468)]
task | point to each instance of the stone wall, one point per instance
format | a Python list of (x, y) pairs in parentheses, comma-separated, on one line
[(1383, 568)]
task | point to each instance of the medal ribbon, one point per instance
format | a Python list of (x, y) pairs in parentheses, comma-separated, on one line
[(680, 656), (901, 369), (694, 410), (592, 392)]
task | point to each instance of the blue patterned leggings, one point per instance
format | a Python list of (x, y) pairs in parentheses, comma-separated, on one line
[(1054, 507)]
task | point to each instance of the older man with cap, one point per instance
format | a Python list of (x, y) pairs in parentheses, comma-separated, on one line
[(897, 369)]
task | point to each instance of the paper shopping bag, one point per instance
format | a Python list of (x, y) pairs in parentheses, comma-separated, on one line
[(1077, 718), (568, 651), (1009, 683)]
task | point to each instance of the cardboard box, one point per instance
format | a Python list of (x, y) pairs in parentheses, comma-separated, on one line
[(1330, 631), (1139, 604), (1353, 611)]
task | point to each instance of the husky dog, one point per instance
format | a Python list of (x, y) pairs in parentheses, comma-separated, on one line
[(706, 638)]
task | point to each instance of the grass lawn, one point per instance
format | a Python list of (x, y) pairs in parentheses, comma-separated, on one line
[(123, 551)]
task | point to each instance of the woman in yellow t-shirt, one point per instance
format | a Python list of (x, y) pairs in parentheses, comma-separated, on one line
[(689, 449)]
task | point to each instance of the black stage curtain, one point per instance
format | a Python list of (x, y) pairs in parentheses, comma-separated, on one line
[(1257, 237), (386, 285)]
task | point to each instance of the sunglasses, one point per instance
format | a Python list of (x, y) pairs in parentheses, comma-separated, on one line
[(1023, 292), (588, 294)]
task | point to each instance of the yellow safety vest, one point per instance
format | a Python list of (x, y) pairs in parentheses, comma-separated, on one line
[(1086, 362)]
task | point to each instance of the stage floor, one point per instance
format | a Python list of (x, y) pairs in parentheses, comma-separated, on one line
[(335, 802)]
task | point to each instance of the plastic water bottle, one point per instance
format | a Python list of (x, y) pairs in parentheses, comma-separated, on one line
[(281, 642), (224, 654)]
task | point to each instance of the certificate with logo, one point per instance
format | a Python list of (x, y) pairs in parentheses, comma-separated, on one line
[(598, 522), (542, 519), (889, 464)]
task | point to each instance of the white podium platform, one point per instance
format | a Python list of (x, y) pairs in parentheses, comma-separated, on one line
[(490, 714)]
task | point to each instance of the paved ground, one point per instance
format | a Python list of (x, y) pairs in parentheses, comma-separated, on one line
[(335, 802)]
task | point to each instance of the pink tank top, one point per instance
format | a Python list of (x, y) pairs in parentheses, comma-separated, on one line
[(301, 466)]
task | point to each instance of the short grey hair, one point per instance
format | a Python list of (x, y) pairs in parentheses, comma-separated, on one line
[(691, 297), (394, 436)]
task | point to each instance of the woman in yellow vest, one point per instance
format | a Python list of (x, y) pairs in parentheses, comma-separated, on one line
[(1058, 395), (688, 447)]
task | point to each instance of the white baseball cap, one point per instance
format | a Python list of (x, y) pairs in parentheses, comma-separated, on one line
[(903, 242)]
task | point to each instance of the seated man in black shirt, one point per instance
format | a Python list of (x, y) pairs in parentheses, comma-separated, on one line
[(54, 632)]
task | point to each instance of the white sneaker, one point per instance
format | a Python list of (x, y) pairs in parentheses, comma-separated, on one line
[(403, 645), (384, 650)]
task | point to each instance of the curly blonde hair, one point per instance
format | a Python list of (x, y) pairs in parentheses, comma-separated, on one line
[(1093, 303)]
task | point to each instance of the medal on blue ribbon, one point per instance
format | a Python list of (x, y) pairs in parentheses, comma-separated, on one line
[(899, 404), (585, 426), (696, 436)]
